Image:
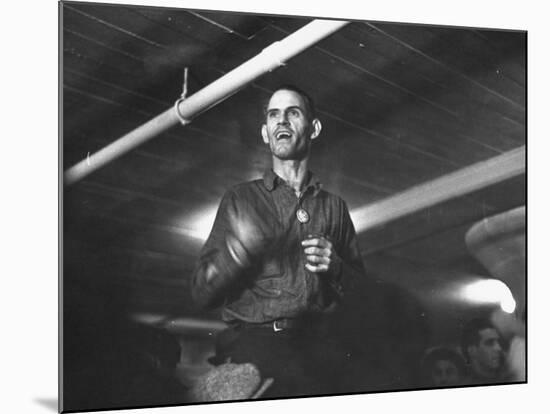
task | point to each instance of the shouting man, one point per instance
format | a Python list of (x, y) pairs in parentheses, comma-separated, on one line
[(277, 259)]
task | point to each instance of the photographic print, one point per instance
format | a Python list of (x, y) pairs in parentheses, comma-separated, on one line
[(257, 207)]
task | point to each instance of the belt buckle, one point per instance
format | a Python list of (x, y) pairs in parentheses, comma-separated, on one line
[(276, 327)]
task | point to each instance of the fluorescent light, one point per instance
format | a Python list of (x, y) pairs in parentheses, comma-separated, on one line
[(198, 225), (202, 224), (489, 291)]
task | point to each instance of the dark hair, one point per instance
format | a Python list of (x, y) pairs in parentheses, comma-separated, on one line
[(470, 333), (442, 353), (308, 101)]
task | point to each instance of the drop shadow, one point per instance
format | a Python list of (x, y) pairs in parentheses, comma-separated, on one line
[(49, 403)]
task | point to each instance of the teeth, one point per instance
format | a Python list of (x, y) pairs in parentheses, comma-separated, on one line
[(283, 134)]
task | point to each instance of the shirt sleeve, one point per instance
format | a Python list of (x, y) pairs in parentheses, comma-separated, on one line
[(348, 263), (217, 267)]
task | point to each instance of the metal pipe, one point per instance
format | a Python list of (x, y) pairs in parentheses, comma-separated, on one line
[(464, 181), (269, 59)]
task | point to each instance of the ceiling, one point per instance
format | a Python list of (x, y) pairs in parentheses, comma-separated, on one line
[(400, 104)]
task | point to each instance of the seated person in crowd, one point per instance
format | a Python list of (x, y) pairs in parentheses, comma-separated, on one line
[(482, 348), (442, 367)]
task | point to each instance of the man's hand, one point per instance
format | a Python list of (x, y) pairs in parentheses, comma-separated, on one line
[(250, 235), (319, 253)]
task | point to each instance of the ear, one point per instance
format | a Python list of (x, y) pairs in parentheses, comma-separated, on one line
[(471, 350), (264, 134), (317, 127)]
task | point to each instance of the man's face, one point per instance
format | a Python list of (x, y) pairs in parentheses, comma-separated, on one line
[(488, 353), (287, 128)]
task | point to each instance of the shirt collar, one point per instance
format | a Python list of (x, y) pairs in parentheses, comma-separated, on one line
[(271, 180)]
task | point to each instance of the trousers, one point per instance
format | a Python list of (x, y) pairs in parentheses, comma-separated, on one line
[(301, 362)]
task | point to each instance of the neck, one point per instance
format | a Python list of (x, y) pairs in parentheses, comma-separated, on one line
[(484, 372), (292, 171)]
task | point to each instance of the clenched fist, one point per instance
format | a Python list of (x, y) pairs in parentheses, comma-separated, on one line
[(319, 253)]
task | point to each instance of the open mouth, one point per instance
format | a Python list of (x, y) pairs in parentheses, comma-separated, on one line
[(283, 135)]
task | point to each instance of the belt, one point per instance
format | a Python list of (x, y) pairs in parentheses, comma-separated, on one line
[(276, 326), (283, 324)]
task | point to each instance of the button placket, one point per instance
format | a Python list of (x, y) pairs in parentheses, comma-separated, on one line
[(303, 228)]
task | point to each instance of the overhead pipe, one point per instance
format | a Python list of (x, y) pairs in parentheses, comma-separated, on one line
[(185, 110), (458, 183)]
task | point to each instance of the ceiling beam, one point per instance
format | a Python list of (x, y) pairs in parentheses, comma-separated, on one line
[(464, 181)]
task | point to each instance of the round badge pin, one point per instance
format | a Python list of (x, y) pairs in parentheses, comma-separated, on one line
[(302, 215)]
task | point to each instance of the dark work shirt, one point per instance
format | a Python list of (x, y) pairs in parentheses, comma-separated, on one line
[(277, 284)]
